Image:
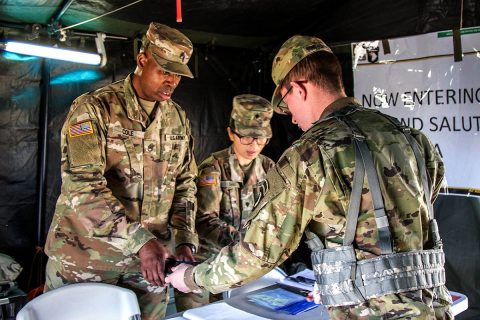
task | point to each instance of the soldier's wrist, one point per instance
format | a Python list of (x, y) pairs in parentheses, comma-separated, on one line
[(189, 279), (191, 246)]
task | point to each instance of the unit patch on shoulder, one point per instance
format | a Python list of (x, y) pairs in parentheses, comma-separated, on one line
[(207, 180), (80, 129)]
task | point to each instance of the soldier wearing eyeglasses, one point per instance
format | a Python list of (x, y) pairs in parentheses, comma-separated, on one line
[(230, 183), (359, 185)]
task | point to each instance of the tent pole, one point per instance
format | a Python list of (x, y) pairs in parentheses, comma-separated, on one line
[(42, 150)]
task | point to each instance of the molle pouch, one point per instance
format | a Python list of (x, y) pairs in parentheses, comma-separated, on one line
[(335, 271)]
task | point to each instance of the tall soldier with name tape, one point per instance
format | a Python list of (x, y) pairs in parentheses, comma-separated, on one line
[(128, 171), (230, 183), (360, 186)]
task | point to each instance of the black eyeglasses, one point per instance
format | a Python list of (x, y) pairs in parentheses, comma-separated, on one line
[(282, 105), (249, 140)]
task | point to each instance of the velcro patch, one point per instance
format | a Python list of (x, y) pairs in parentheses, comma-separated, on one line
[(80, 129), (207, 180)]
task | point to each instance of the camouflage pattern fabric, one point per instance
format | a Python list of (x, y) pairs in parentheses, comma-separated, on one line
[(170, 48), (292, 51), (251, 115), (226, 196), (186, 301), (126, 179), (311, 185), (152, 300), (9, 269)]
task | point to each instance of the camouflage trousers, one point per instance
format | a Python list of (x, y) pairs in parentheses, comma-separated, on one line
[(152, 299), (185, 301), (426, 304)]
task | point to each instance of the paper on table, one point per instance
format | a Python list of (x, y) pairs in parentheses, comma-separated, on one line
[(291, 282), (460, 301), (219, 311)]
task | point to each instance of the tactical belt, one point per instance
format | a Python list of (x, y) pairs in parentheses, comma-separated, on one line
[(341, 279)]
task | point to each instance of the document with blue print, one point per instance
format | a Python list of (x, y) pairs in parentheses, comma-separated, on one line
[(282, 300), (304, 280)]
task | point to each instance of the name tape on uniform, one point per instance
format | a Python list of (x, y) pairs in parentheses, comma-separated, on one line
[(125, 132), (175, 137)]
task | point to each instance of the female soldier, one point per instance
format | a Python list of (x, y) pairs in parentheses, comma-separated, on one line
[(230, 183)]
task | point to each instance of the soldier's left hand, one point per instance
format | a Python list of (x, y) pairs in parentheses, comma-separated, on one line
[(177, 278)]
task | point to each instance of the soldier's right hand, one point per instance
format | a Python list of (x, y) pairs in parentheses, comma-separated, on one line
[(152, 257), (315, 295)]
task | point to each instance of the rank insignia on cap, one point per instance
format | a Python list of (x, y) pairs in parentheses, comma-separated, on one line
[(80, 129), (207, 180)]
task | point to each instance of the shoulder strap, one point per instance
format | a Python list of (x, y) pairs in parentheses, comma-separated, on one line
[(355, 198), (426, 184), (384, 235), (313, 241), (422, 169)]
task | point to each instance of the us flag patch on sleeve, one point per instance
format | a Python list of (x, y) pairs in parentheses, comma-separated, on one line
[(80, 129), (207, 180)]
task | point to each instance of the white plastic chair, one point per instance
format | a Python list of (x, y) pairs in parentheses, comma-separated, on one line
[(83, 301), (267, 280)]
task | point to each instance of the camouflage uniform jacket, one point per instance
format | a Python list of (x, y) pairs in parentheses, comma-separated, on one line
[(126, 180), (226, 196), (310, 186)]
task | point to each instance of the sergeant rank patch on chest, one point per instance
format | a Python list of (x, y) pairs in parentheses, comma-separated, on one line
[(80, 129)]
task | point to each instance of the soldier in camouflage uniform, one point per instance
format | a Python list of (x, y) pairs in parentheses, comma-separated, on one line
[(310, 191), (230, 183), (128, 171)]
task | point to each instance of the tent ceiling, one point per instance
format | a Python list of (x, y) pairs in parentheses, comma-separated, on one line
[(247, 22)]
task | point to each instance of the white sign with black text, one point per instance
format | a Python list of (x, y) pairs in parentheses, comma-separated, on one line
[(419, 83)]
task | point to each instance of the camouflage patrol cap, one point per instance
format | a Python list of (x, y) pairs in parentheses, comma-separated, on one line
[(292, 52), (170, 48), (251, 115)]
